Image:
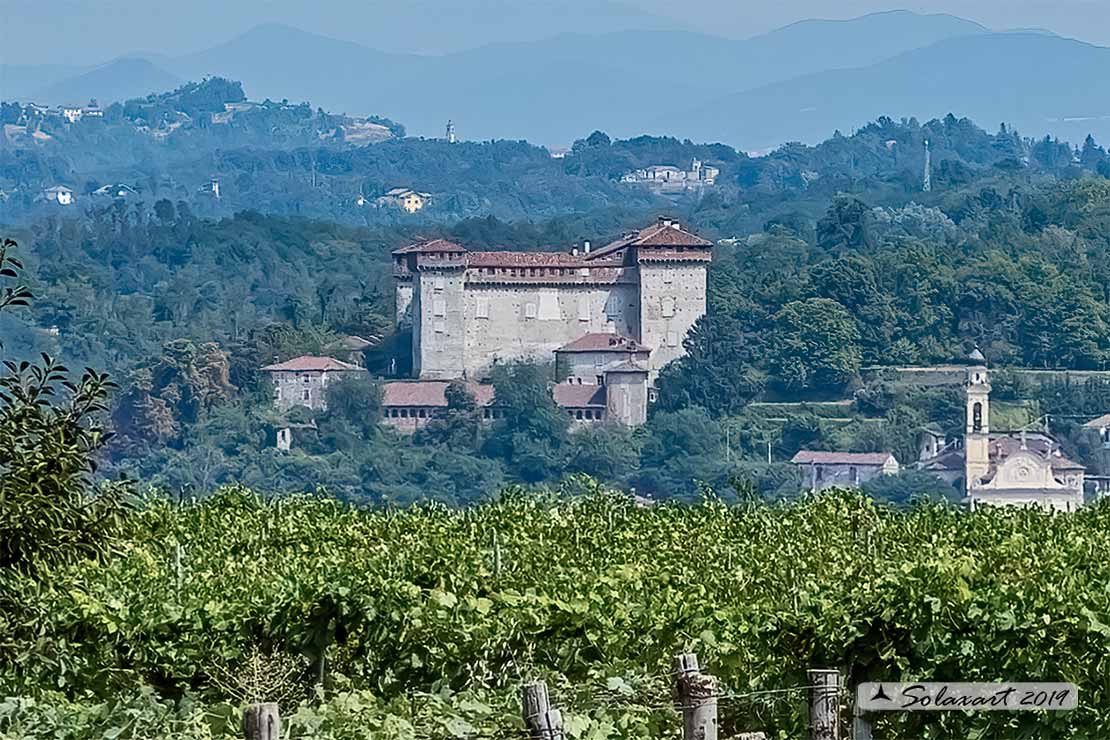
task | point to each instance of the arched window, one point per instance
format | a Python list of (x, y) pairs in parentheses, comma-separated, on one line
[(977, 417)]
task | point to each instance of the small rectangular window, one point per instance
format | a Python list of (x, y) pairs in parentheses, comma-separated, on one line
[(441, 327), (439, 307), (672, 339), (530, 310), (306, 394), (583, 308), (481, 308), (668, 307), (440, 283)]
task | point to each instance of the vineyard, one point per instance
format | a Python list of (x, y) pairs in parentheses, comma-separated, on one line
[(424, 623)]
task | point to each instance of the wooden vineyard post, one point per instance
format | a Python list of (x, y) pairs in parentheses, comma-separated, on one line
[(696, 695), (262, 722), (861, 725), (824, 704), (543, 722)]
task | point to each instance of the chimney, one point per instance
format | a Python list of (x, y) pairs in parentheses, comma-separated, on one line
[(664, 221), (586, 246)]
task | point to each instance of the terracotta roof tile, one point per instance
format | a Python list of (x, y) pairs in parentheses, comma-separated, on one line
[(1099, 423), (355, 343), (427, 247), (1003, 445), (524, 259), (807, 457), (662, 234), (627, 367), (603, 342), (309, 363), (576, 396), (429, 393)]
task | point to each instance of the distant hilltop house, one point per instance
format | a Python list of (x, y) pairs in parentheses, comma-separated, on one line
[(670, 180), (73, 113), (361, 131), (844, 469), (407, 199), (59, 194), (231, 110), (210, 189), (303, 381), (119, 190)]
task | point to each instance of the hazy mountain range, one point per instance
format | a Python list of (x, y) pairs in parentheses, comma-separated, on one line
[(797, 83)]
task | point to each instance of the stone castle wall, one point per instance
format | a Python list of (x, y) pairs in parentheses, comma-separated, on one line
[(463, 327), (506, 323), (672, 299)]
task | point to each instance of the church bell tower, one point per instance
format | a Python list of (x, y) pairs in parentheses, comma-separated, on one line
[(977, 391)]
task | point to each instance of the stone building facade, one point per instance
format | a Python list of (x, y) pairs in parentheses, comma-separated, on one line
[(303, 381), (471, 310), (823, 470)]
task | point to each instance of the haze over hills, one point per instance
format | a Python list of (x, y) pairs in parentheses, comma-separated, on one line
[(796, 83), (117, 80), (1032, 81)]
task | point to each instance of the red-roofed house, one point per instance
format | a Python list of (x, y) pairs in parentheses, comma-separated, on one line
[(303, 381), (844, 469), (585, 359)]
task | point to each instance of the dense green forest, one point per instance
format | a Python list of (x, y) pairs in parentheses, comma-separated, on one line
[(290, 159), (830, 259)]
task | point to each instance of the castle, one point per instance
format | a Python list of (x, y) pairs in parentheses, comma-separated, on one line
[(469, 311), (670, 180)]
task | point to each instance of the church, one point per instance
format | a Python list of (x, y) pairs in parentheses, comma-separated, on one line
[(1002, 468)]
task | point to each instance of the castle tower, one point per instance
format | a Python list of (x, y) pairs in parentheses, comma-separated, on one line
[(672, 266), (626, 394), (977, 391), (450, 134), (430, 295)]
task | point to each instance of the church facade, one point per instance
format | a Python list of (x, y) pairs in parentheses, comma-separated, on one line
[(1003, 468), (469, 311)]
